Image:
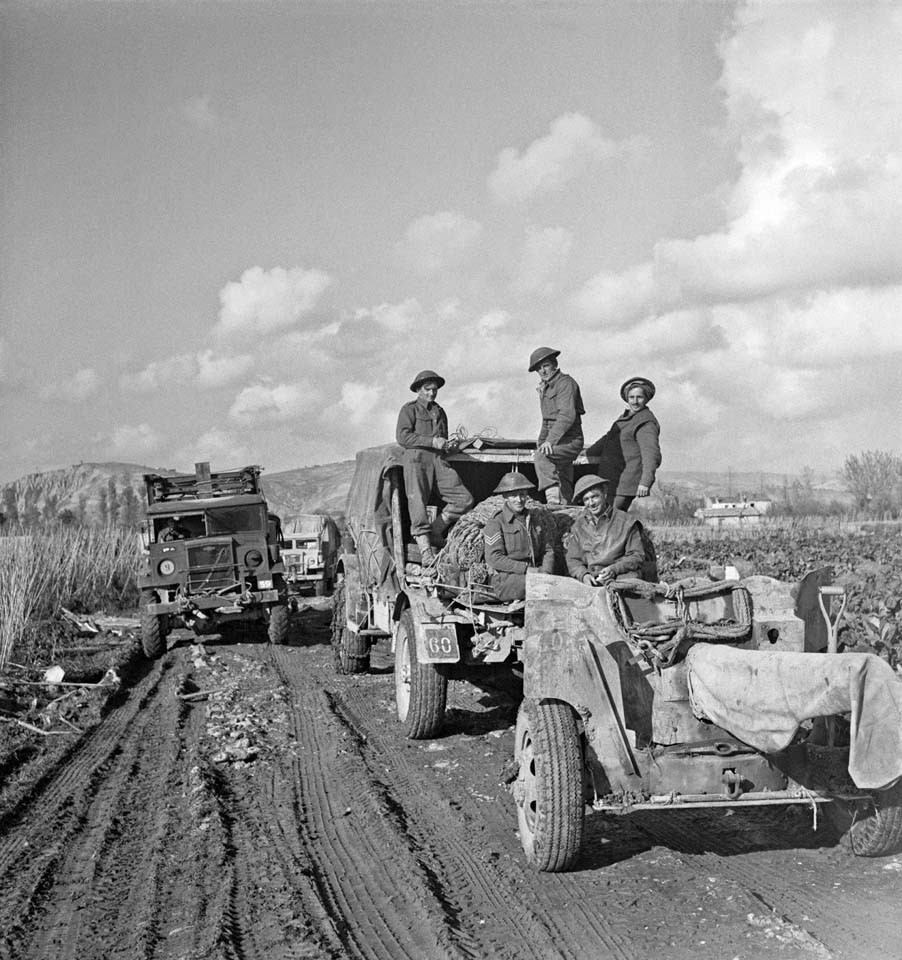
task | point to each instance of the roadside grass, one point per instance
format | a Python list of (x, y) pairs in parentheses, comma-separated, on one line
[(82, 568)]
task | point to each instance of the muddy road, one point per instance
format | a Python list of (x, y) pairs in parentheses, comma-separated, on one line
[(242, 801)]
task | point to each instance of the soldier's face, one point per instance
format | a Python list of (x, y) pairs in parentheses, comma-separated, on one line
[(516, 501), (546, 369), (595, 500), (428, 391), (636, 399)]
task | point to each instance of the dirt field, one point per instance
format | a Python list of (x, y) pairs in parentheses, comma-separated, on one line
[(283, 815)]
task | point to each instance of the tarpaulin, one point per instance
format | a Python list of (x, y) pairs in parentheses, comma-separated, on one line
[(761, 697)]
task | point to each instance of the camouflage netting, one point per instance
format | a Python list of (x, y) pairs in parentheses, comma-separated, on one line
[(462, 560)]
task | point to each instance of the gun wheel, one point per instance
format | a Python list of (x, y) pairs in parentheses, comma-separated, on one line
[(549, 785), (872, 828), (277, 629)]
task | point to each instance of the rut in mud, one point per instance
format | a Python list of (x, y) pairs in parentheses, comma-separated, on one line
[(280, 813)]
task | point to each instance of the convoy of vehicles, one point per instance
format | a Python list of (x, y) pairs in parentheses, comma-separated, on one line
[(212, 556)]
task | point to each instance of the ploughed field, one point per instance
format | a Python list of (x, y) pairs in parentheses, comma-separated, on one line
[(240, 800)]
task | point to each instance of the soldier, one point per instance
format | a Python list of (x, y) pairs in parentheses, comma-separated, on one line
[(604, 542), (516, 540), (423, 433), (173, 530), (561, 435)]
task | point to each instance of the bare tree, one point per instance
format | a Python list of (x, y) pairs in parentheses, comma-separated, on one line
[(874, 478)]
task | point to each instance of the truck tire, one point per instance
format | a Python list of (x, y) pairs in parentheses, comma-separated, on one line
[(277, 629), (549, 785), (153, 634), (350, 652), (421, 689), (870, 828)]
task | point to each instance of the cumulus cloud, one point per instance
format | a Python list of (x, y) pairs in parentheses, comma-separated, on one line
[(4, 361), (437, 241), (72, 389), (572, 144), (359, 400), (133, 441), (159, 373), (545, 254), (813, 102), (218, 371), (278, 403), (267, 301), (394, 317)]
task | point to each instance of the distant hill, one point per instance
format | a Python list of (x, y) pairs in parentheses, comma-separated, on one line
[(94, 491)]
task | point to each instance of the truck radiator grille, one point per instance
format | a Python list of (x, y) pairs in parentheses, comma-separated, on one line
[(211, 566)]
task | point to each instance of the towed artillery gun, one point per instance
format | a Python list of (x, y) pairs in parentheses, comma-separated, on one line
[(702, 694), (212, 556)]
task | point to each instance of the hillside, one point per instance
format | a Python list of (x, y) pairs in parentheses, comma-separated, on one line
[(96, 491)]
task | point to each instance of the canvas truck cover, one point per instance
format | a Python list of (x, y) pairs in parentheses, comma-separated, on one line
[(304, 526), (368, 511)]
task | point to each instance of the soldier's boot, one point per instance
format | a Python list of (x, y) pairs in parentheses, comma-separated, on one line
[(439, 527), (553, 495), (427, 553)]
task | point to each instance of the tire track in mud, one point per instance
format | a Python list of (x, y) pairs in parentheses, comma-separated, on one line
[(810, 905), (378, 894), (510, 911)]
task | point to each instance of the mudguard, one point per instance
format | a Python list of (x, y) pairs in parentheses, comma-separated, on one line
[(436, 636)]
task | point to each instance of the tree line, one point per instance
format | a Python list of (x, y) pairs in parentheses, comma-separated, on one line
[(114, 504)]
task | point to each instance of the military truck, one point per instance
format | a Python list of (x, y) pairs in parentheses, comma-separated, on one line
[(444, 625), (311, 543), (212, 556), (716, 694)]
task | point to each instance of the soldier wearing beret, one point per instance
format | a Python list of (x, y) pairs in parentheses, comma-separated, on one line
[(561, 434), (423, 433), (516, 539), (604, 543)]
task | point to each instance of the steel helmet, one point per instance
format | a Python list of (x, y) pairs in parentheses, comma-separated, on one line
[(424, 376), (643, 382), (588, 482), (513, 481), (540, 354)]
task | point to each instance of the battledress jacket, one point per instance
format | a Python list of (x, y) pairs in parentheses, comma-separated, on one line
[(615, 541), (630, 451), (418, 424), (513, 543), (562, 410)]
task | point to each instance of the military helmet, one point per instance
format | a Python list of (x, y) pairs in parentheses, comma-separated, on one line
[(643, 382), (514, 481), (423, 377), (540, 354), (588, 482)]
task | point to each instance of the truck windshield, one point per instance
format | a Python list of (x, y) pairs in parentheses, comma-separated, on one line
[(236, 520)]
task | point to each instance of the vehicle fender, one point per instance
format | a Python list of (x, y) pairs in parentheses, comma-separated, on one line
[(357, 604), (573, 651)]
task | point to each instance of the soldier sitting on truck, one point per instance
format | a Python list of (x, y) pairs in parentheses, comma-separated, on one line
[(604, 543), (516, 540), (423, 433)]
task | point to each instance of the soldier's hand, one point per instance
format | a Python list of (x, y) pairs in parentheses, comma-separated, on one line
[(589, 580), (439, 443), (642, 490), (546, 448), (604, 575)]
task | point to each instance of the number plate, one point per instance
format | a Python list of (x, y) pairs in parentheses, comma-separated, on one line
[(441, 643)]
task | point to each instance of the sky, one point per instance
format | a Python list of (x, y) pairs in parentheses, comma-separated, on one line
[(236, 230)]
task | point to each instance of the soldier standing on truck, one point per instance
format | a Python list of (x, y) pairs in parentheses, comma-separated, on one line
[(516, 540), (561, 434), (423, 433)]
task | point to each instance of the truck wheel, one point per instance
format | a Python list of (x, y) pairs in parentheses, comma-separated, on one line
[(350, 652), (278, 624), (421, 689), (549, 785), (872, 828), (153, 635)]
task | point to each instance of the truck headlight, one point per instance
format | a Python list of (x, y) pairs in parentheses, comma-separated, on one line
[(166, 568), (253, 558)]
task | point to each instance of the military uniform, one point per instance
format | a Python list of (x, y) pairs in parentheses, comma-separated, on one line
[(562, 412), (612, 540), (419, 424), (513, 544)]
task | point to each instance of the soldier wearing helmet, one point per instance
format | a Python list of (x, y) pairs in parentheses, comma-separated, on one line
[(173, 530), (423, 433), (561, 434), (516, 539), (604, 543)]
